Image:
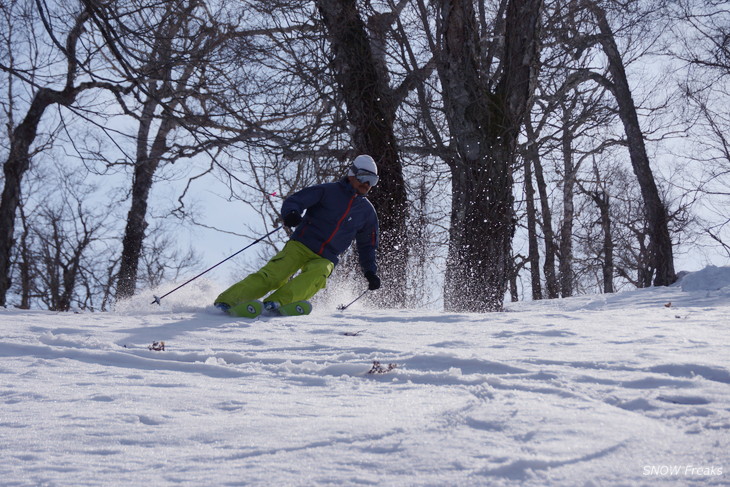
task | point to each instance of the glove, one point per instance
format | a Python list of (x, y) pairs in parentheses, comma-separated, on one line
[(292, 219), (373, 280)]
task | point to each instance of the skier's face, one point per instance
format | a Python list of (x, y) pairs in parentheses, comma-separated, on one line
[(361, 188)]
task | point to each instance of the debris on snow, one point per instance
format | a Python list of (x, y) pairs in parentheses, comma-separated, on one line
[(379, 369)]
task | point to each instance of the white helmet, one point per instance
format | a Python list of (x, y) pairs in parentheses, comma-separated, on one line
[(365, 162), (364, 169)]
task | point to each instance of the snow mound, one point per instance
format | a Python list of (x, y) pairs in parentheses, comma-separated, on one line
[(711, 278)]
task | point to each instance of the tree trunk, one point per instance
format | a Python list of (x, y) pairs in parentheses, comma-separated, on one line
[(566, 227), (533, 247), (14, 169), (371, 112), (25, 259), (603, 202), (551, 281), (484, 124), (604, 205), (148, 160), (479, 258), (660, 244), (134, 231)]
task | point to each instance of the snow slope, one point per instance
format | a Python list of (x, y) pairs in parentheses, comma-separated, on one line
[(622, 389)]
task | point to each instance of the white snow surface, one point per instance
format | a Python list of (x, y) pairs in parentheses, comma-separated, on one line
[(623, 389)]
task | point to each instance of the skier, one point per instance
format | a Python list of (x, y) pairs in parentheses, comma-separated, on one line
[(327, 218)]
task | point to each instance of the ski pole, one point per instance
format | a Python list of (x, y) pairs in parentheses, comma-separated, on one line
[(157, 300), (343, 307)]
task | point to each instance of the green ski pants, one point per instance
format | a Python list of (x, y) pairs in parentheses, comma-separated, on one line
[(276, 273)]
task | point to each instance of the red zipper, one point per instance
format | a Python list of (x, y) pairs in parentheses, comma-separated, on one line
[(337, 228)]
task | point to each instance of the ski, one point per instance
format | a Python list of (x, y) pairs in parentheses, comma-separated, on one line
[(295, 309), (247, 309), (254, 308)]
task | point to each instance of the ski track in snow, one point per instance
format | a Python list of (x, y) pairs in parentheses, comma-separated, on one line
[(587, 391)]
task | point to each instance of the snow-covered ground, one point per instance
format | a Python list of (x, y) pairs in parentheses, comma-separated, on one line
[(626, 389)]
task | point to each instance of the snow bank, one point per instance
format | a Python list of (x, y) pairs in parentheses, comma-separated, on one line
[(710, 278)]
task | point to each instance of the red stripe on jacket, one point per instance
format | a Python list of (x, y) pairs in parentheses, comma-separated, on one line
[(337, 227)]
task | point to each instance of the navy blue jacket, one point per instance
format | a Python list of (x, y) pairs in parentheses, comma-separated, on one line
[(335, 215)]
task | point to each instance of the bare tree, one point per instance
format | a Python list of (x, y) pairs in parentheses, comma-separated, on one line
[(660, 245), (533, 166), (61, 224), (23, 136), (23, 264), (181, 60), (600, 195), (571, 122), (701, 33), (165, 83), (485, 96)]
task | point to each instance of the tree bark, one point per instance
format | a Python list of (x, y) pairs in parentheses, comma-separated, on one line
[(371, 112), (484, 118), (551, 281), (532, 244), (603, 203), (134, 231), (566, 227), (148, 160)]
